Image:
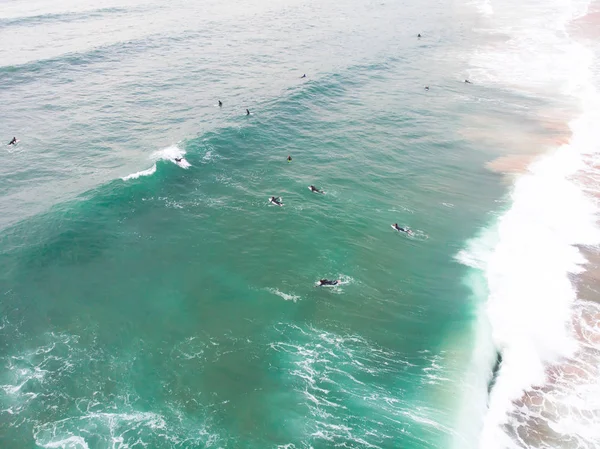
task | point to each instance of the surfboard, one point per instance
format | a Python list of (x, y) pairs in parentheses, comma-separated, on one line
[(339, 282), (407, 231), (182, 163)]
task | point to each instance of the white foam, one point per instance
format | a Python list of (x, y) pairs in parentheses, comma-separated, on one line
[(323, 370), (147, 172), (527, 259), (529, 255), (286, 296), (72, 442), (170, 154), (183, 163), (484, 7), (209, 156)]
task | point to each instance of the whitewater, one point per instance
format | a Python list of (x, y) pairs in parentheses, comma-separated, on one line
[(546, 390), (152, 297)]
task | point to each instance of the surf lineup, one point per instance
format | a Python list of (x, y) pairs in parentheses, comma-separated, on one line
[(277, 201)]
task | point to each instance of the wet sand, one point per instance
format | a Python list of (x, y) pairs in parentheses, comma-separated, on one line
[(588, 26), (539, 416)]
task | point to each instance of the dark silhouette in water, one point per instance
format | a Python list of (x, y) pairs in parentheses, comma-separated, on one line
[(303, 76), (247, 111), (276, 201), (220, 103), (400, 229), (327, 282), (495, 372), (426, 87), (13, 141), (289, 159), (468, 82), (419, 35)]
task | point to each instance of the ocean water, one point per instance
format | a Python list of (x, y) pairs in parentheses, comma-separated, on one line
[(162, 304)]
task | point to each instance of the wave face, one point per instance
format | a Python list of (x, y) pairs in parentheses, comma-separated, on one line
[(151, 302), (547, 389)]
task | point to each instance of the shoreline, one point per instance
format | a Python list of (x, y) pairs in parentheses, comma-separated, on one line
[(550, 344)]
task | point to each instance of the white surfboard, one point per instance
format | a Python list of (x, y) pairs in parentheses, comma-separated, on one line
[(407, 231), (182, 163)]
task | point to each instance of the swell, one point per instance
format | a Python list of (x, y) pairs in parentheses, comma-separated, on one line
[(66, 17), (15, 75), (78, 230), (303, 100)]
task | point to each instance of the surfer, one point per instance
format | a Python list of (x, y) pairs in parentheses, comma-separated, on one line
[(314, 189), (303, 76), (178, 159), (419, 35), (399, 229), (323, 282), (289, 159), (426, 87), (247, 111), (468, 82), (276, 201), (220, 103), (13, 141)]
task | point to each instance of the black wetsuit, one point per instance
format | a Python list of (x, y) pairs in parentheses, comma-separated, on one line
[(13, 141), (399, 229), (328, 282), (178, 159), (314, 189), (275, 201)]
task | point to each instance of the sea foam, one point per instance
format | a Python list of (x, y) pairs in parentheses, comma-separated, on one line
[(170, 153), (136, 175), (529, 255)]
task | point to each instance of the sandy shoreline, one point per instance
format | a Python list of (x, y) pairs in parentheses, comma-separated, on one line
[(562, 412)]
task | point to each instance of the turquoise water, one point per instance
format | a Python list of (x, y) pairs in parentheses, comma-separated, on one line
[(176, 307)]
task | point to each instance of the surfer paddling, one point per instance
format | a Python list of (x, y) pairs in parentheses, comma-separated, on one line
[(276, 201), (326, 282), (401, 229)]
